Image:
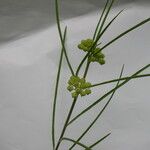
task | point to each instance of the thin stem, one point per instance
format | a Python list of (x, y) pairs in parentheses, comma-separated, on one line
[(100, 19), (66, 122), (97, 38), (115, 39), (108, 93), (100, 140), (103, 31), (79, 143), (103, 22), (86, 69), (86, 56), (60, 35), (127, 31), (100, 113), (56, 91), (115, 80), (81, 63)]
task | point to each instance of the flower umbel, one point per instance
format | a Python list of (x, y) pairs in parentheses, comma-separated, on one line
[(85, 45), (96, 54), (78, 86)]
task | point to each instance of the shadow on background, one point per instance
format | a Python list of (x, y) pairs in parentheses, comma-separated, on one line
[(21, 17)]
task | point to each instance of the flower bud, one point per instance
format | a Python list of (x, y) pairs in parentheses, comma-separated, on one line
[(83, 93), (70, 88), (101, 61), (74, 94), (88, 91)]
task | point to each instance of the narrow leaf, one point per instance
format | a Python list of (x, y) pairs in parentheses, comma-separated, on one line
[(100, 113), (126, 32), (119, 36), (56, 91), (108, 25), (100, 140), (78, 143), (61, 37), (100, 19), (115, 80), (108, 93), (106, 15)]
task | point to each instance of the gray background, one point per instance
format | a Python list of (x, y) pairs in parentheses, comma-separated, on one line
[(21, 17), (29, 51)]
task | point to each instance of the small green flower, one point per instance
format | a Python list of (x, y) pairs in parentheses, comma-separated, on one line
[(74, 94), (83, 93), (85, 45), (70, 88), (97, 55), (101, 61), (88, 91), (78, 86)]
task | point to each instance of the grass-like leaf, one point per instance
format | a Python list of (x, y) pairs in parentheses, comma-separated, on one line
[(108, 25), (66, 122), (106, 15), (112, 41), (115, 80), (78, 143), (99, 114), (86, 69), (100, 140), (108, 93), (98, 24), (126, 32), (97, 37), (61, 37), (56, 91), (99, 29)]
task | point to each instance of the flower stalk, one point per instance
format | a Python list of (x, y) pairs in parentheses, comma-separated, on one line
[(78, 85)]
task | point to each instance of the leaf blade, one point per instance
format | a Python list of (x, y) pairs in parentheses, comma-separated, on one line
[(100, 140), (108, 93), (100, 19), (61, 37), (126, 32), (115, 80), (56, 90), (99, 114)]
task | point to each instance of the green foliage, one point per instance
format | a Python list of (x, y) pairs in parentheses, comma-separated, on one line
[(77, 85), (96, 54)]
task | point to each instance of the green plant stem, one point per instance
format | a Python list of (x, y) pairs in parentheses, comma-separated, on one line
[(98, 37), (79, 143), (100, 113), (95, 33), (60, 35), (108, 25), (86, 69), (126, 32), (108, 93), (101, 33), (71, 110), (56, 91), (66, 122), (103, 22), (100, 140), (115, 80), (112, 41), (70, 67)]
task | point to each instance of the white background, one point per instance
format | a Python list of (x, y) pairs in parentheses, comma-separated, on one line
[(29, 52)]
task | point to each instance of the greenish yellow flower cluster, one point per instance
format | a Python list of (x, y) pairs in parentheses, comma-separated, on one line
[(85, 45), (78, 86), (97, 55)]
